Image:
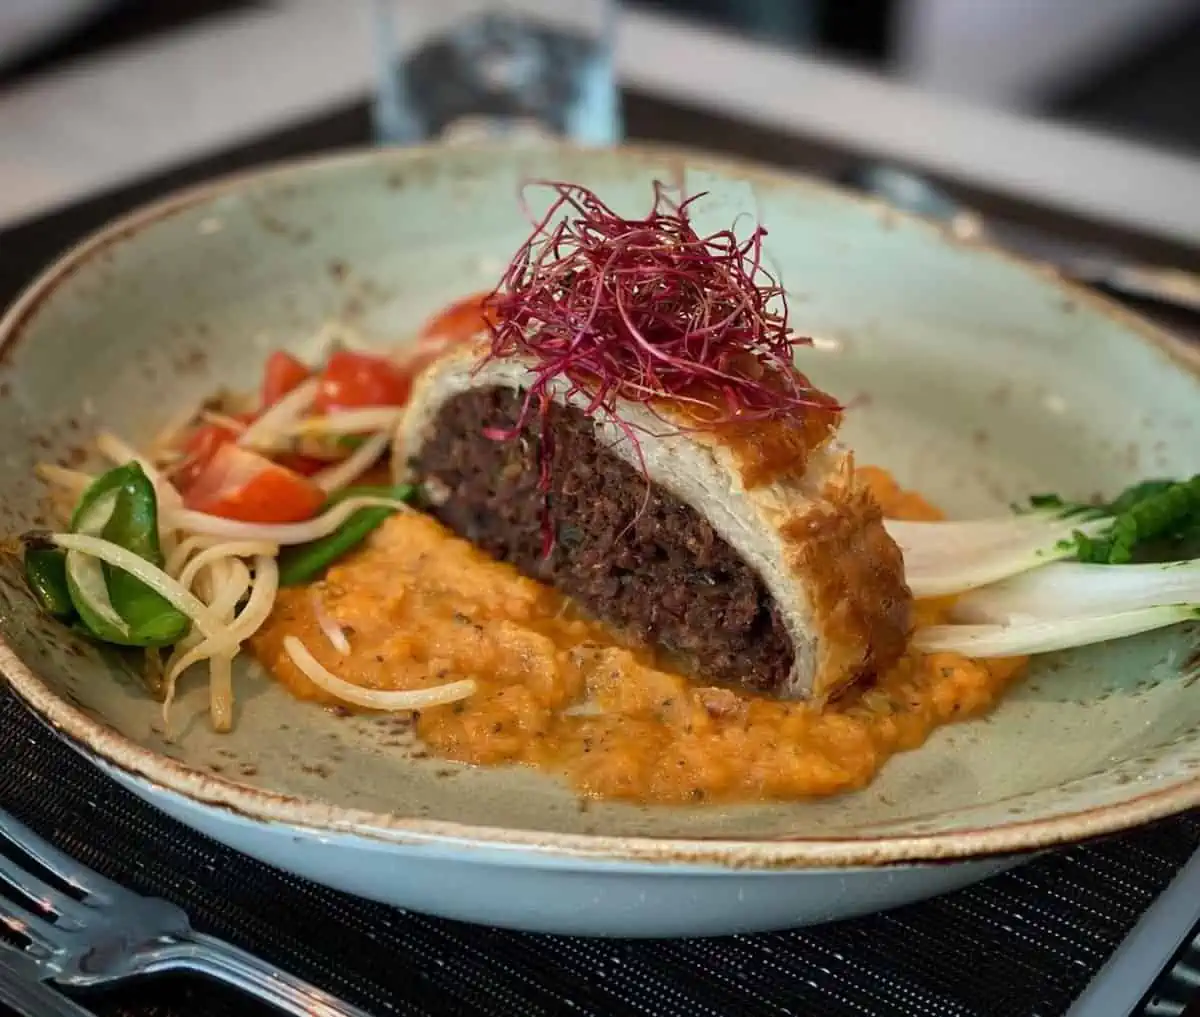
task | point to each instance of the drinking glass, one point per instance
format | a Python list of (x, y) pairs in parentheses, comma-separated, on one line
[(484, 69)]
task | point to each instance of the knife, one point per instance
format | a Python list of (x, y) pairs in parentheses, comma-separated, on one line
[(1169, 286), (1090, 265)]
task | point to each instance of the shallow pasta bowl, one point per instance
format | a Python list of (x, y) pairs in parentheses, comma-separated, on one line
[(976, 378)]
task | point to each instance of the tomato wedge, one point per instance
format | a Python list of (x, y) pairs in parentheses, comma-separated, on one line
[(201, 445), (237, 483), (352, 381), (462, 320), (306, 466), (282, 374)]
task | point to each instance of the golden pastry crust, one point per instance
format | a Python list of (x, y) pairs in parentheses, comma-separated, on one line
[(768, 451), (854, 574)]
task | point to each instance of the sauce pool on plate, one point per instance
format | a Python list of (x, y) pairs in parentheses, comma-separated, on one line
[(556, 691)]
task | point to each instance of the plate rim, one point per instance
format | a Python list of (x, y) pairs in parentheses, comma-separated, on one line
[(93, 737)]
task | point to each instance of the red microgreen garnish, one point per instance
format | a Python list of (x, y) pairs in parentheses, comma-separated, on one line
[(648, 311)]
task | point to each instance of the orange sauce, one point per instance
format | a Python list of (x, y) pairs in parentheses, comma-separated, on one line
[(562, 693)]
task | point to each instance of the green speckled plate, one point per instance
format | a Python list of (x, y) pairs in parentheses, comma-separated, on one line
[(981, 380)]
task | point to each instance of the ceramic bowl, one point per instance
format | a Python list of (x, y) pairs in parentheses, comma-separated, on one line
[(976, 378)]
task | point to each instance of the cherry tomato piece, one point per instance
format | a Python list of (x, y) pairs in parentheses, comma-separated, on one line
[(352, 381), (283, 374), (464, 319), (240, 484)]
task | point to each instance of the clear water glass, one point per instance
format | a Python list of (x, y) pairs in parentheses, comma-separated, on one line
[(488, 69)]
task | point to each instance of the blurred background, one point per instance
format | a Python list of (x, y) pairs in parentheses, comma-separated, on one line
[(1130, 67)]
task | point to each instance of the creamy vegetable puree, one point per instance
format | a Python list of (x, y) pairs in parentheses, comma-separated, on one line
[(556, 691)]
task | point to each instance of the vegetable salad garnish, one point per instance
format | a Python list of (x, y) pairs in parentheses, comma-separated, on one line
[(180, 551)]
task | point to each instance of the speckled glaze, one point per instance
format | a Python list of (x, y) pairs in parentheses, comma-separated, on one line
[(976, 378)]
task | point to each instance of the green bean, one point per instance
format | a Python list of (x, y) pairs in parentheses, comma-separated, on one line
[(132, 523), (46, 574), (402, 492), (304, 562)]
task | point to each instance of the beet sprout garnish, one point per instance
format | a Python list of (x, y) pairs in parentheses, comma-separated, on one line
[(648, 311)]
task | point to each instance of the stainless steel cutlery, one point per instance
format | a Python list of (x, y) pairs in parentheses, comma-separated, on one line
[(87, 931)]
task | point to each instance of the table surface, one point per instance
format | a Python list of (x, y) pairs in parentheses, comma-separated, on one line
[(255, 64), (1043, 930)]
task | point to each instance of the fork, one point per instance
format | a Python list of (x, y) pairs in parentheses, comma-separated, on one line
[(22, 991), (101, 933)]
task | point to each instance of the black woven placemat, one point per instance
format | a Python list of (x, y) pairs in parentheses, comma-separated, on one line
[(1022, 944)]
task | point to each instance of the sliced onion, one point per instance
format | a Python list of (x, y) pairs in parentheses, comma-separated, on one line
[(220, 692), (362, 421), (223, 420), (228, 590), (168, 540), (330, 628), (1046, 635), (280, 533), (205, 584), (154, 577), (232, 580), (187, 547), (280, 416), (171, 432), (75, 481), (168, 497), (87, 575), (335, 335), (231, 637), (427, 347), (98, 514), (226, 549), (389, 700), (120, 453), (350, 469), (115, 449)]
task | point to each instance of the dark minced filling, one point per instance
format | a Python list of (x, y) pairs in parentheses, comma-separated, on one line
[(652, 568)]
